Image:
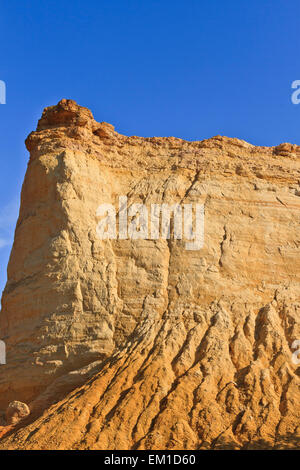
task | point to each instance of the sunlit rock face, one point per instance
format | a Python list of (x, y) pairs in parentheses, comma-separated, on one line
[(143, 343)]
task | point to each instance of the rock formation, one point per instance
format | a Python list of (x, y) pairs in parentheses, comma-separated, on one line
[(141, 343), (16, 412)]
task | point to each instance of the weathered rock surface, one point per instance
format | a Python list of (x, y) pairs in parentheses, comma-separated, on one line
[(121, 344), (16, 412)]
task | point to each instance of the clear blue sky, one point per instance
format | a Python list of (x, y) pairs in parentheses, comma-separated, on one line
[(187, 68)]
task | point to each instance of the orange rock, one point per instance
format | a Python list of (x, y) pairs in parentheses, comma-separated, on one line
[(142, 344), (4, 430)]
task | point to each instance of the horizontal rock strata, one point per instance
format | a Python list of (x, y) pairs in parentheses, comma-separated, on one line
[(143, 344)]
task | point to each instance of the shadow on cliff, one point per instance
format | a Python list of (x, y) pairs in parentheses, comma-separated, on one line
[(289, 442)]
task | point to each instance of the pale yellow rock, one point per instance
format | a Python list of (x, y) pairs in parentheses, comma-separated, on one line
[(16, 412), (170, 348)]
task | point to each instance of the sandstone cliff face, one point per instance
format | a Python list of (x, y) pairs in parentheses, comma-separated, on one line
[(121, 344)]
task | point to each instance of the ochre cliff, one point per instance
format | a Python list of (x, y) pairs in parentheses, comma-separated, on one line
[(143, 344)]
